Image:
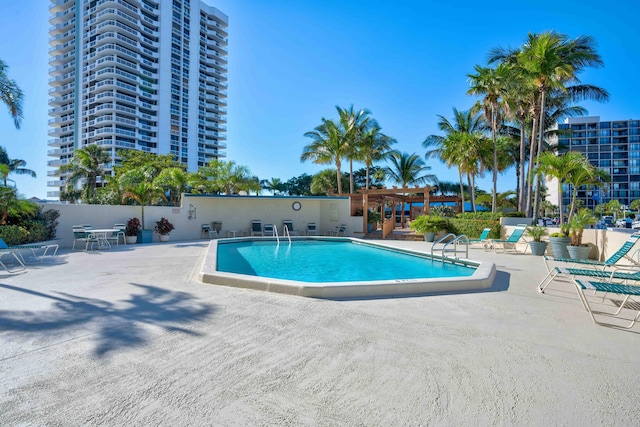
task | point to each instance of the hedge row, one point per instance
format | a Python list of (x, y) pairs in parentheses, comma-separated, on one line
[(472, 228)]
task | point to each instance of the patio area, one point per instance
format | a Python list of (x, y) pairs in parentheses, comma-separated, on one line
[(130, 337)]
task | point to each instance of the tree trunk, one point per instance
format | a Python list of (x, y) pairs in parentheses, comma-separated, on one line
[(536, 199), (494, 197), (461, 189), (532, 156), (350, 176), (339, 175), (521, 175)]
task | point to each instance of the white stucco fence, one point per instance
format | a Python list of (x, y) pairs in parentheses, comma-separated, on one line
[(235, 213)]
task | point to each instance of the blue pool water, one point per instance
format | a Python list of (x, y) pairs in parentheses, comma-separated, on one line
[(329, 261)]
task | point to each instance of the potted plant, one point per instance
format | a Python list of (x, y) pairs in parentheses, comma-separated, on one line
[(559, 241), (428, 225), (578, 222), (373, 218), (131, 230), (538, 247), (163, 228)]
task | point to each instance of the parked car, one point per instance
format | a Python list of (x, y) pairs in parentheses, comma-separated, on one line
[(635, 225), (621, 222)]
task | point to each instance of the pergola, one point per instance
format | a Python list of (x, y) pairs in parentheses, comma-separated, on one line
[(405, 195)]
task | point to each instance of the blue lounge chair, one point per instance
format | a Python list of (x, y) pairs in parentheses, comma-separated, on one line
[(619, 255), (509, 243), (569, 273), (627, 291), (483, 237), (32, 248)]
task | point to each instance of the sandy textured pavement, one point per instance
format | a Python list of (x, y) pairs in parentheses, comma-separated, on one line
[(128, 337)]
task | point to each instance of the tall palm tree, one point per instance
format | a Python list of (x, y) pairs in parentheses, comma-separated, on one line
[(374, 146), (11, 95), (329, 146), (87, 164), (492, 85), (459, 146), (553, 61), (354, 125)]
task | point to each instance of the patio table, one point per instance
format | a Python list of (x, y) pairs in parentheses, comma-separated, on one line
[(100, 236)]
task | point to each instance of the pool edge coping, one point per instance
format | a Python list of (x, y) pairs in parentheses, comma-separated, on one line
[(482, 278)]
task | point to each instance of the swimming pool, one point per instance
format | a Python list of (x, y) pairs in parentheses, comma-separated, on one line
[(337, 268)]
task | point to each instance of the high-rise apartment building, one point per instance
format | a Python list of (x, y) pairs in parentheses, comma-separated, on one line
[(613, 146), (137, 74)]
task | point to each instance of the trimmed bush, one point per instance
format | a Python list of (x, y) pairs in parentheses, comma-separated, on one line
[(473, 228), (14, 234)]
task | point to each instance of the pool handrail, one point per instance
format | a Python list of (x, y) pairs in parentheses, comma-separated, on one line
[(455, 241)]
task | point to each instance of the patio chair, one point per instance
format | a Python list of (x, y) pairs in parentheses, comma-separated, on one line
[(11, 252), (33, 248), (119, 233), (483, 237), (256, 228), (569, 273), (312, 229), (208, 230), (626, 291), (288, 224), (620, 254), (342, 229), (81, 234), (268, 230), (509, 243)]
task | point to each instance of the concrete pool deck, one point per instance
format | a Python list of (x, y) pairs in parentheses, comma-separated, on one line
[(130, 337)]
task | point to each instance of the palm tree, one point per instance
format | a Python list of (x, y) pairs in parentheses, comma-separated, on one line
[(13, 166), (460, 146), (175, 181), (87, 164), (559, 167), (140, 186), (11, 204), (11, 95), (373, 147), (553, 61), (222, 177), (354, 125), (275, 185), (492, 85), (329, 146), (586, 175)]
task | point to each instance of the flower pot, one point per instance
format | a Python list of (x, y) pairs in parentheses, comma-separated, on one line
[(429, 236), (538, 248), (145, 236), (163, 237), (130, 240), (579, 252), (559, 246)]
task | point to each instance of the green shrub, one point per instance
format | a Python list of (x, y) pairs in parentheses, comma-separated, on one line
[(515, 214), (14, 234), (489, 216), (472, 228)]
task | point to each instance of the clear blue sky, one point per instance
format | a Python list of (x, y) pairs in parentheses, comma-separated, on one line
[(291, 62)]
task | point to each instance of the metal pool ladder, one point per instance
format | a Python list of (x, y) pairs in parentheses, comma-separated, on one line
[(285, 232), (457, 240)]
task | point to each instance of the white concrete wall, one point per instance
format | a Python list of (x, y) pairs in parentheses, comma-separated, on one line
[(235, 213)]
